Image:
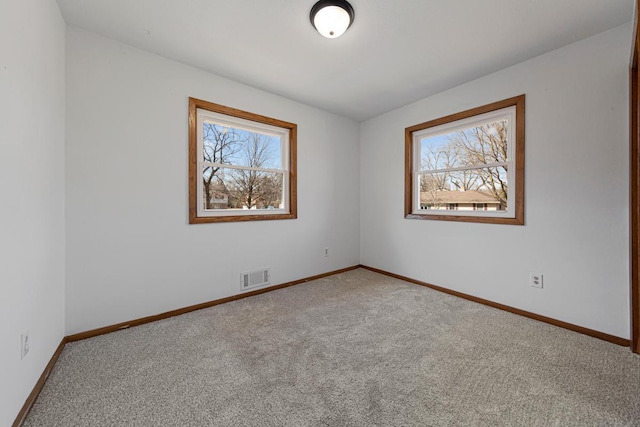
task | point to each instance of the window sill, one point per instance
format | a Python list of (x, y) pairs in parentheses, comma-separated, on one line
[(468, 218)]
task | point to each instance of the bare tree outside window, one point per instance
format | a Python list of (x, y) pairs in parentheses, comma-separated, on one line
[(219, 145), (254, 188)]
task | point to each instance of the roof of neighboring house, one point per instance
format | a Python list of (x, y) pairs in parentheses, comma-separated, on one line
[(469, 196)]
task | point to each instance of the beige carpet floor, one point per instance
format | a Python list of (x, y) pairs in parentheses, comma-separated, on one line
[(355, 349)]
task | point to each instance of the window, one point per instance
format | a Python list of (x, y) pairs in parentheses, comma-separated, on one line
[(468, 166), (242, 166)]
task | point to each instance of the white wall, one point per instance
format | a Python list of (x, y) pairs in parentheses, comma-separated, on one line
[(576, 217), (130, 250), (32, 84)]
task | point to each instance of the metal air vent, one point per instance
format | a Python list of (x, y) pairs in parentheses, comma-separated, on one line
[(252, 279)]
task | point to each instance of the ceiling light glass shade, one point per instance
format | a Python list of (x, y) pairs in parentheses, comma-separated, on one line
[(332, 18)]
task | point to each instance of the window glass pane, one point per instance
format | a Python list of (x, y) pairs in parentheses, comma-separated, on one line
[(239, 147), (474, 146), (219, 142), (226, 188), (215, 194), (485, 186)]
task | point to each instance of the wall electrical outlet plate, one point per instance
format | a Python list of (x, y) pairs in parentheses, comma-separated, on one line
[(535, 280), (24, 344)]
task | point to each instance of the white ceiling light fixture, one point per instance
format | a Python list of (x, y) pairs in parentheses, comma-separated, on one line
[(332, 17)]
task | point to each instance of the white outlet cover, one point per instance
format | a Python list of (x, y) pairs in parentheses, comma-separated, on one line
[(536, 280), (24, 344)]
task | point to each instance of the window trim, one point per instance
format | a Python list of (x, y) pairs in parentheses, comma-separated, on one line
[(508, 113), (195, 174), (450, 121)]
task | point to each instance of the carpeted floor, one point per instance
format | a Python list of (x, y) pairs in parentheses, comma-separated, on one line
[(355, 349)]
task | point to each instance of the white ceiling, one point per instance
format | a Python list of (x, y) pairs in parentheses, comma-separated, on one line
[(396, 52)]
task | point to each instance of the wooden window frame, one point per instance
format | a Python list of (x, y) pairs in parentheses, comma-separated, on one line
[(518, 159), (195, 174)]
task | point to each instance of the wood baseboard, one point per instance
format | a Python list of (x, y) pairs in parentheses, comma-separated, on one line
[(586, 331), (177, 312), (31, 399)]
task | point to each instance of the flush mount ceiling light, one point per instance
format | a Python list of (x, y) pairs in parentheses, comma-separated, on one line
[(332, 17)]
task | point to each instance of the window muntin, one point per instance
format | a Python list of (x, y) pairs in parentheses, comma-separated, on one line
[(242, 166), (468, 166)]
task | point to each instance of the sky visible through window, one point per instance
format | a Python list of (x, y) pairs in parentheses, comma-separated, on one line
[(245, 146), (435, 144)]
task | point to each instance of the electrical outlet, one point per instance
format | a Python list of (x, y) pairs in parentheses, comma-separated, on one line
[(24, 344), (535, 280), (326, 252)]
